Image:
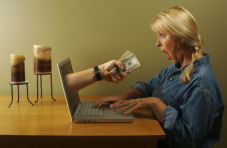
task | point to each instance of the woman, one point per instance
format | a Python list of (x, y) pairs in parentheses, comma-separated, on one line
[(184, 96)]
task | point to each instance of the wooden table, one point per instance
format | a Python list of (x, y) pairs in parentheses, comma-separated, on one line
[(48, 124)]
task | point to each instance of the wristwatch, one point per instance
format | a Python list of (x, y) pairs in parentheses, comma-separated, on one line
[(98, 76)]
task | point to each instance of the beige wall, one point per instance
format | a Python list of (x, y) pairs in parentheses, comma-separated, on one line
[(94, 31)]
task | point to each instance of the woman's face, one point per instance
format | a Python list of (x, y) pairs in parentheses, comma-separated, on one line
[(165, 42)]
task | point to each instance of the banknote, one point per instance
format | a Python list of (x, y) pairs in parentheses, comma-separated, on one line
[(129, 61)]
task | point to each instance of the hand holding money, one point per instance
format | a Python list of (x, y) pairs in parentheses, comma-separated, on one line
[(78, 80), (129, 61), (107, 67)]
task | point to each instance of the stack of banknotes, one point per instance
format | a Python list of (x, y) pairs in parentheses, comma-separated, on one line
[(129, 61)]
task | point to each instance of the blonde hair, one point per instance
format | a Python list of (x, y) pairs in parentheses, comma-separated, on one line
[(180, 23)]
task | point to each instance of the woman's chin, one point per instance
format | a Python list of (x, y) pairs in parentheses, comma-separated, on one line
[(172, 60), (169, 58)]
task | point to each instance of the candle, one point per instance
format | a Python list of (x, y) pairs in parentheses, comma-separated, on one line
[(42, 58), (17, 67)]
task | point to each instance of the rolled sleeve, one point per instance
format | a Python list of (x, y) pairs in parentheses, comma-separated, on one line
[(144, 88), (169, 117)]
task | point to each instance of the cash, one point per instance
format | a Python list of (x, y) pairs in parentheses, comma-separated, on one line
[(129, 61)]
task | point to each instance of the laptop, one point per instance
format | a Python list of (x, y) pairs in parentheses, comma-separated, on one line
[(83, 112)]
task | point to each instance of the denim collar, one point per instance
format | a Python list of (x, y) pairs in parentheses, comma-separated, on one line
[(204, 60)]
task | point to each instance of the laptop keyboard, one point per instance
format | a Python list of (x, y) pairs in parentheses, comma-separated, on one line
[(86, 109)]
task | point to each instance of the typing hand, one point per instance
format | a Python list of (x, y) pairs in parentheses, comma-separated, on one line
[(108, 99), (129, 106)]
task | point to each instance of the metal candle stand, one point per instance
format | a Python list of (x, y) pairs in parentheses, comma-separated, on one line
[(37, 78), (18, 91)]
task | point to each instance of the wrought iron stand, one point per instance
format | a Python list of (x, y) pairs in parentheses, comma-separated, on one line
[(37, 81), (18, 92)]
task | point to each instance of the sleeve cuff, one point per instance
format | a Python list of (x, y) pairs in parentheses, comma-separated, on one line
[(140, 86), (169, 117)]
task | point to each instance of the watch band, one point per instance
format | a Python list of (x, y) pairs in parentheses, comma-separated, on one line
[(97, 73)]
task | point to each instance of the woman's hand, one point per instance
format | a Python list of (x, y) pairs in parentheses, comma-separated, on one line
[(128, 106), (108, 99)]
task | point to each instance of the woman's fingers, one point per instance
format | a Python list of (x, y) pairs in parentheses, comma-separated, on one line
[(98, 103), (120, 104), (104, 100), (115, 105), (126, 106), (135, 107)]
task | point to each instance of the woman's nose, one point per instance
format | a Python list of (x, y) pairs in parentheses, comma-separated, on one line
[(158, 43)]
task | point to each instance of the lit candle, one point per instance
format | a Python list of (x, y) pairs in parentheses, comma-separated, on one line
[(42, 58), (17, 67)]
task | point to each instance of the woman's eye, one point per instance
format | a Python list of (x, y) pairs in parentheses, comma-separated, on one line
[(162, 35)]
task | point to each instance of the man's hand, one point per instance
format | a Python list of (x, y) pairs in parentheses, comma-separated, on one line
[(107, 67)]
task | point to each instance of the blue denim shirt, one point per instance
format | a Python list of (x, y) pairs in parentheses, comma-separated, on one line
[(194, 112)]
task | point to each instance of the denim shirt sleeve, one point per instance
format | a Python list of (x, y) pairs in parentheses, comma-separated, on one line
[(146, 88), (193, 119)]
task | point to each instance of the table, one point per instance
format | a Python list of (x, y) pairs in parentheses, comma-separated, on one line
[(48, 124)]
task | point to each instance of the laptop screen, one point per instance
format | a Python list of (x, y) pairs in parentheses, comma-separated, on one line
[(72, 100)]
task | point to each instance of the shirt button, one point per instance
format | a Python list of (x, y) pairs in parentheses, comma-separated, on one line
[(171, 78)]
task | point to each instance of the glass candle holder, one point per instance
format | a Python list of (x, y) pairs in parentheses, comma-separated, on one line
[(42, 58), (17, 67)]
